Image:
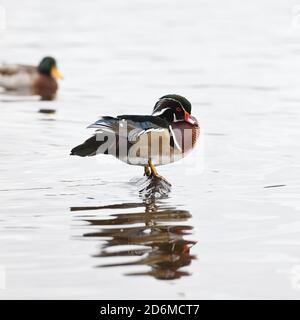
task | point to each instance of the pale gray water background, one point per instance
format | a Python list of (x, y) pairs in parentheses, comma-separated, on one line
[(239, 64)]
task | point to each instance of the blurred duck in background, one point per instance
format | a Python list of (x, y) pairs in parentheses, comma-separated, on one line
[(32, 80)]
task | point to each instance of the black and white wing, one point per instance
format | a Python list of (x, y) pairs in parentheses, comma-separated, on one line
[(128, 128)]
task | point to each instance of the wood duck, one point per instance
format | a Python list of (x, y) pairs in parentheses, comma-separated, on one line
[(40, 80), (146, 140)]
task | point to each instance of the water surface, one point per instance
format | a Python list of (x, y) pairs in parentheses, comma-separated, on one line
[(77, 228)]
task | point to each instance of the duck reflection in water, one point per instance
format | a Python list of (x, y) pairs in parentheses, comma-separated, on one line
[(160, 234)]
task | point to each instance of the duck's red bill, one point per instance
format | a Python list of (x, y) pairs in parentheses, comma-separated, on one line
[(187, 118)]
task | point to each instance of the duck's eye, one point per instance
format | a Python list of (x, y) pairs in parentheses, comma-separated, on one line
[(178, 109)]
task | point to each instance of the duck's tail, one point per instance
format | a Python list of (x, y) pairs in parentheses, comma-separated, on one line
[(88, 148), (106, 127)]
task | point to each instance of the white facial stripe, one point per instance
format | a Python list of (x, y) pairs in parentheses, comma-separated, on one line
[(158, 113), (175, 119), (176, 101)]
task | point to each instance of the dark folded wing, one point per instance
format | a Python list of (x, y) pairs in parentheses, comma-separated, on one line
[(12, 69), (145, 122), (127, 128)]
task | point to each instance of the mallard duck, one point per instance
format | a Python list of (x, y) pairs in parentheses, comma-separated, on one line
[(40, 80), (146, 140)]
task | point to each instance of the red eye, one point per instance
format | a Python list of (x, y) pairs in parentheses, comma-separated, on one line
[(178, 109)]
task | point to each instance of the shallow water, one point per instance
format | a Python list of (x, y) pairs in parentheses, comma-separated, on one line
[(77, 228)]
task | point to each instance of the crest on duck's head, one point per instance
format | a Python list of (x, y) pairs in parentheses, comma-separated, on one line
[(172, 101)]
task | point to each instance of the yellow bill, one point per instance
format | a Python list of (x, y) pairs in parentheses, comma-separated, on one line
[(55, 73)]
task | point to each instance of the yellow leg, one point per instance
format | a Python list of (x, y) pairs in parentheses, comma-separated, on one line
[(153, 169), (147, 171), (154, 173)]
